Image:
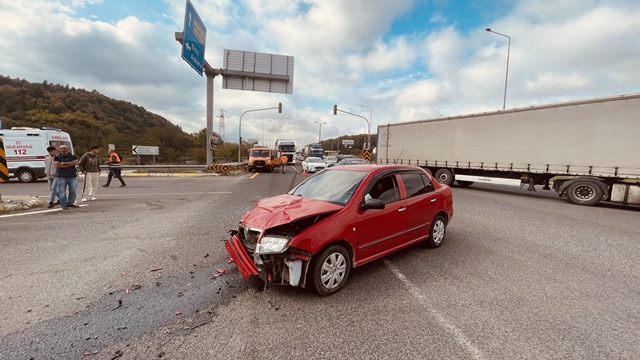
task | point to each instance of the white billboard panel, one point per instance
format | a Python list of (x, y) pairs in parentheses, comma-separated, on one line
[(253, 71)]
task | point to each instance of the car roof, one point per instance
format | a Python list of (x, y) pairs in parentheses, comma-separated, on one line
[(375, 167)]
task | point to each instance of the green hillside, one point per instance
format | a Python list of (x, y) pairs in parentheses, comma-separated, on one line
[(94, 119)]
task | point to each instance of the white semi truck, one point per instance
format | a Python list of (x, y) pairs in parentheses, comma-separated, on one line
[(586, 150)]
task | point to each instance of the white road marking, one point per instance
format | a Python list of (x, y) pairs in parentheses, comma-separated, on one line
[(37, 212), (457, 333)]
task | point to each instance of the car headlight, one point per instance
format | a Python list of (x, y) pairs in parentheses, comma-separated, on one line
[(272, 245)]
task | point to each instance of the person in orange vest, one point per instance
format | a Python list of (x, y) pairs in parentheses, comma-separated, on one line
[(115, 168), (283, 162)]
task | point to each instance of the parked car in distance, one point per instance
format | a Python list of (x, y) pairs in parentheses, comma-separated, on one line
[(313, 164), (338, 219), (330, 160), (353, 161)]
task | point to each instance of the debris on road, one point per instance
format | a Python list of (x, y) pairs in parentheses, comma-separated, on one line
[(178, 312), (6, 276), (158, 269), (119, 304), (220, 272)]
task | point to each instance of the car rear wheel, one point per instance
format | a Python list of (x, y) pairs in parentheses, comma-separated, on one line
[(437, 232), (331, 270)]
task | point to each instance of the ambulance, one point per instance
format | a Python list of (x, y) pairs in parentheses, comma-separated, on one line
[(25, 149)]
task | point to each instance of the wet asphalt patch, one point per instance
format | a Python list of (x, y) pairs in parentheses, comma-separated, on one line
[(180, 304)]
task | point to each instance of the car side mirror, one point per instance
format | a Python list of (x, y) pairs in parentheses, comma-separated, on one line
[(372, 204)]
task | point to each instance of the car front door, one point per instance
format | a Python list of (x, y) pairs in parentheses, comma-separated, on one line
[(380, 231)]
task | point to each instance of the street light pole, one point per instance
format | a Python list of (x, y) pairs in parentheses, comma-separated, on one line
[(338, 139), (370, 121), (335, 112), (506, 77), (320, 130), (279, 108)]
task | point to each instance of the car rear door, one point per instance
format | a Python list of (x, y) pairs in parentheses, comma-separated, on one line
[(380, 231)]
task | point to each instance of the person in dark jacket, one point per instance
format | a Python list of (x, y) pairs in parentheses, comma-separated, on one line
[(89, 165), (67, 177), (115, 168)]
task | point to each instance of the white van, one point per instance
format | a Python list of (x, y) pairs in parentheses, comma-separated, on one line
[(25, 149)]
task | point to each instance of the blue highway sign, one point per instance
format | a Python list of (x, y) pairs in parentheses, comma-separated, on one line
[(194, 39)]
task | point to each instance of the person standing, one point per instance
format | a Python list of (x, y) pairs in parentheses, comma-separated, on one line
[(89, 164), (51, 172), (115, 168), (283, 163), (66, 177)]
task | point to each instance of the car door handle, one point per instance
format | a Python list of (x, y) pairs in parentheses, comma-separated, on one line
[(434, 200), (402, 209)]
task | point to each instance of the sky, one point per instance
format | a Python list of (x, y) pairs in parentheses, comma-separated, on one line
[(388, 61)]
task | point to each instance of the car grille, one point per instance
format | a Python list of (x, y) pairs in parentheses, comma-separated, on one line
[(259, 163), (249, 238)]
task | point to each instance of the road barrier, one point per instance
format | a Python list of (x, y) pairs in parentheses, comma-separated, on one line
[(4, 170)]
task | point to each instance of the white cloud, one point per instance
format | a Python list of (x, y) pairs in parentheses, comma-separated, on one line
[(344, 54)]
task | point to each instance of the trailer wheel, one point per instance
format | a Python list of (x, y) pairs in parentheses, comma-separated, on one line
[(464, 184), (26, 176), (444, 176), (584, 193)]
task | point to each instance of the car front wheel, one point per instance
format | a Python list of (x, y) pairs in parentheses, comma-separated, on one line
[(437, 232), (331, 270)]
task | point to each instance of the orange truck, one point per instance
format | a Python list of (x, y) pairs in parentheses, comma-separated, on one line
[(262, 158)]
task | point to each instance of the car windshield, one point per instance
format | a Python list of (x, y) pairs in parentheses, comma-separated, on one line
[(335, 186), (260, 153)]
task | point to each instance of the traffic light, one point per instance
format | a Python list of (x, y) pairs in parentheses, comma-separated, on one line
[(280, 108), (335, 109)]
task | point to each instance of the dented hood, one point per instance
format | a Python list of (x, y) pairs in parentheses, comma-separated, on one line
[(283, 209)]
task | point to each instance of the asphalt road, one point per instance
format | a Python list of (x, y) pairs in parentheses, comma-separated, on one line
[(134, 275)]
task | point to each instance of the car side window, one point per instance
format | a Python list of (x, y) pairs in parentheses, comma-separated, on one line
[(413, 184), (427, 183), (385, 189)]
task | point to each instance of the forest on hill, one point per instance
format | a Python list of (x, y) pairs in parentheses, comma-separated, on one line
[(95, 119), (91, 119)]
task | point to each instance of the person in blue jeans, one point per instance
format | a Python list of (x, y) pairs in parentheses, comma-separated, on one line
[(51, 172), (67, 177)]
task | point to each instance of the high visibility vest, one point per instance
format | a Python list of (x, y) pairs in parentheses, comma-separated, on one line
[(116, 156)]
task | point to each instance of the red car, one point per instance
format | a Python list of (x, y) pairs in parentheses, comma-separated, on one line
[(338, 219)]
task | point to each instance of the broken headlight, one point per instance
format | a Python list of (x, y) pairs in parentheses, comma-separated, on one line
[(272, 245)]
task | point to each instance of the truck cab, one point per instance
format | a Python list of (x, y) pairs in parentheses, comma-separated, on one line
[(261, 159)]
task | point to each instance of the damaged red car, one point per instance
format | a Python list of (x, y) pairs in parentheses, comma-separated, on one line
[(338, 219)]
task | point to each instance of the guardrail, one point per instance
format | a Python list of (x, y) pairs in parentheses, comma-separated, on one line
[(216, 167)]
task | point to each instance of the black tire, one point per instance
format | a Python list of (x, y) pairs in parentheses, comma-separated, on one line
[(330, 270), (444, 176), (26, 176), (464, 184), (437, 232), (586, 193)]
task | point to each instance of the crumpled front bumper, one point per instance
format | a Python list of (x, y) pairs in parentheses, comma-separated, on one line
[(241, 258)]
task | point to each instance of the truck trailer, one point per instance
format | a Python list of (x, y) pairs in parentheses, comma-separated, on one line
[(587, 150)]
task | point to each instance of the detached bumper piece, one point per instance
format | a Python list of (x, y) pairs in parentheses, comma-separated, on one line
[(241, 259)]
